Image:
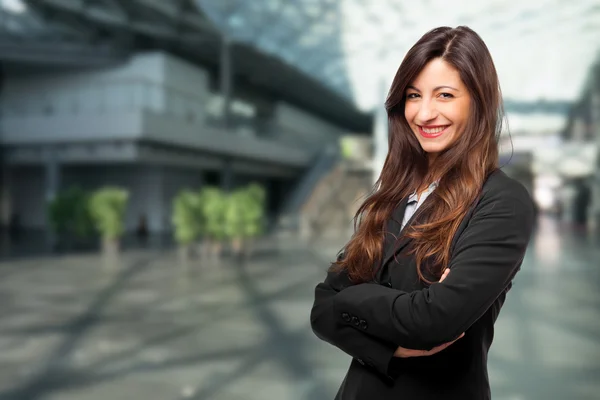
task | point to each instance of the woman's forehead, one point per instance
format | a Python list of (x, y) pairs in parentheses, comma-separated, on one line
[(436, 73)]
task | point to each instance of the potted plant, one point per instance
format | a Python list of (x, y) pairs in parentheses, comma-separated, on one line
[(244, 218), (107, 207), (69, 216), (234, 219), (59, 215), (186, 220), (213, 205), (254, 215), (83, 223)]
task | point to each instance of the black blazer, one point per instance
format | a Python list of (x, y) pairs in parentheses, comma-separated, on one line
[(369, 320)]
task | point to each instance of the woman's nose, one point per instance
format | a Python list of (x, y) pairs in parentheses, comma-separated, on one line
[(427, 111)]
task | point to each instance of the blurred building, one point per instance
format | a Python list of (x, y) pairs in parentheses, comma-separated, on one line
[(150, 96), (581, 135), (157, 96)]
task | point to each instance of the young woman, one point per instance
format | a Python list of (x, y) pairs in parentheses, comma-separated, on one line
[(414, 295)]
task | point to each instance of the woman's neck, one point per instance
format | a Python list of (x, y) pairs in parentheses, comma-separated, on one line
[(431, 158)]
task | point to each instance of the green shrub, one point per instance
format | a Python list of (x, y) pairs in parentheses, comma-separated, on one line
[(107, 207), (213, 205), (69, 213), (245, 211), (187, 217), (217, 215)]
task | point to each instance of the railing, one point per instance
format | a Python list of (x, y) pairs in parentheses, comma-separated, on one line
[(120, 95), (322, 165), (137, 94)]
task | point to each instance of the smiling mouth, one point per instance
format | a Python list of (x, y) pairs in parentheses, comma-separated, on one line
[(432, 132)]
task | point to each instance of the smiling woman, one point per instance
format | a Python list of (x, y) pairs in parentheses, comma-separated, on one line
[(437, 113), (414, 295)]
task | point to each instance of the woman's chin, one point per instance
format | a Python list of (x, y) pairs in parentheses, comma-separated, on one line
[(433, 149), (436, 146)]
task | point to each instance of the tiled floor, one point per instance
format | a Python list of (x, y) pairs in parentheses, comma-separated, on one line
[(76, 327)]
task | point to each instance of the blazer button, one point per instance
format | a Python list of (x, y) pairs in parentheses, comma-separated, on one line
[(361, 362), (363, 325), (355, 321), (346, 317), (388, 284)]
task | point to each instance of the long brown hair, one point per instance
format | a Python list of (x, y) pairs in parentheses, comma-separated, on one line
[(461, 169)]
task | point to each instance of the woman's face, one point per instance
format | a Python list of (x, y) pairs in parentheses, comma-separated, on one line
[(437, 106)]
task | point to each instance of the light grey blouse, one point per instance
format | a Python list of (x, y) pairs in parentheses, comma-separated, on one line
[(414, 202)]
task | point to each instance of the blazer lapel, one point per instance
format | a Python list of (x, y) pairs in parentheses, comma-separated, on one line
[(395, 242), (392, 230)]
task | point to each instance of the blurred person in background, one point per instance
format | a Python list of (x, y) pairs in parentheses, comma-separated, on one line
[(414, 295), (142, 228), (581, 203)]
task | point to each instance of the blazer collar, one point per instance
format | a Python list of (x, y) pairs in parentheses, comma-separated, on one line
[(430, 188), (394, 241)]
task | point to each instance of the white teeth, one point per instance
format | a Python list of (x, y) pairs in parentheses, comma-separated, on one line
[(435, 130)]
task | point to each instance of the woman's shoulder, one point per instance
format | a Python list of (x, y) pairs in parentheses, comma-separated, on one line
[(501, 187)]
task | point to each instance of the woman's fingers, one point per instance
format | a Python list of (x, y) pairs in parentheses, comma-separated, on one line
[(445, 274), (406, 353), (441, 347)]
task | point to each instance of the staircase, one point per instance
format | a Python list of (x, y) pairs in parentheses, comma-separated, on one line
[(328, 213), (322, 205)]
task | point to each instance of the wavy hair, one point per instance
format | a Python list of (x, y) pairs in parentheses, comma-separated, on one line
[(461, 169)]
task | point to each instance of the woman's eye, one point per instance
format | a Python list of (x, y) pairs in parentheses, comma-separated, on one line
[(412, 95), (446, 95)]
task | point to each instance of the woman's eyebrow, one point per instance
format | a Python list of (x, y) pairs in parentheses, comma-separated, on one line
[(434, 89), (445, 87)]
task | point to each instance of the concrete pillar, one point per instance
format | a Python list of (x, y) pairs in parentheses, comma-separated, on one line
[(226, 81), (227, 176), (594, 216), (595, 181), (162, 208), (5, 197), (52, 175), (52, 186)]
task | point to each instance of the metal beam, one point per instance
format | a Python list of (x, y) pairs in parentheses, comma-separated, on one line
[(58, 54), (169, 9), (118, 15)]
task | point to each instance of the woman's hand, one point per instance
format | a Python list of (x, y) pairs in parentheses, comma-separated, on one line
[(401, 352), (444, 275)]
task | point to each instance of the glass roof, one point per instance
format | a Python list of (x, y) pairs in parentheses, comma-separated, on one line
[(13, 6), (18, 21), (543, 49)]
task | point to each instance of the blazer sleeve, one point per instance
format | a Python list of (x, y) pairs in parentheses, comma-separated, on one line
[(367, 349), (488, 254)]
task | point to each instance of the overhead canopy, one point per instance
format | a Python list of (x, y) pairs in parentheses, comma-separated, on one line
[(542, 48), (77, 32)]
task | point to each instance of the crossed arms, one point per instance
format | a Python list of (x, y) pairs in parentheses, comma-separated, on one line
[(485, 259)]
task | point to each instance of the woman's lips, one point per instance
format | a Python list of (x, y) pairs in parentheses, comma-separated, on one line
[(430, 135)]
